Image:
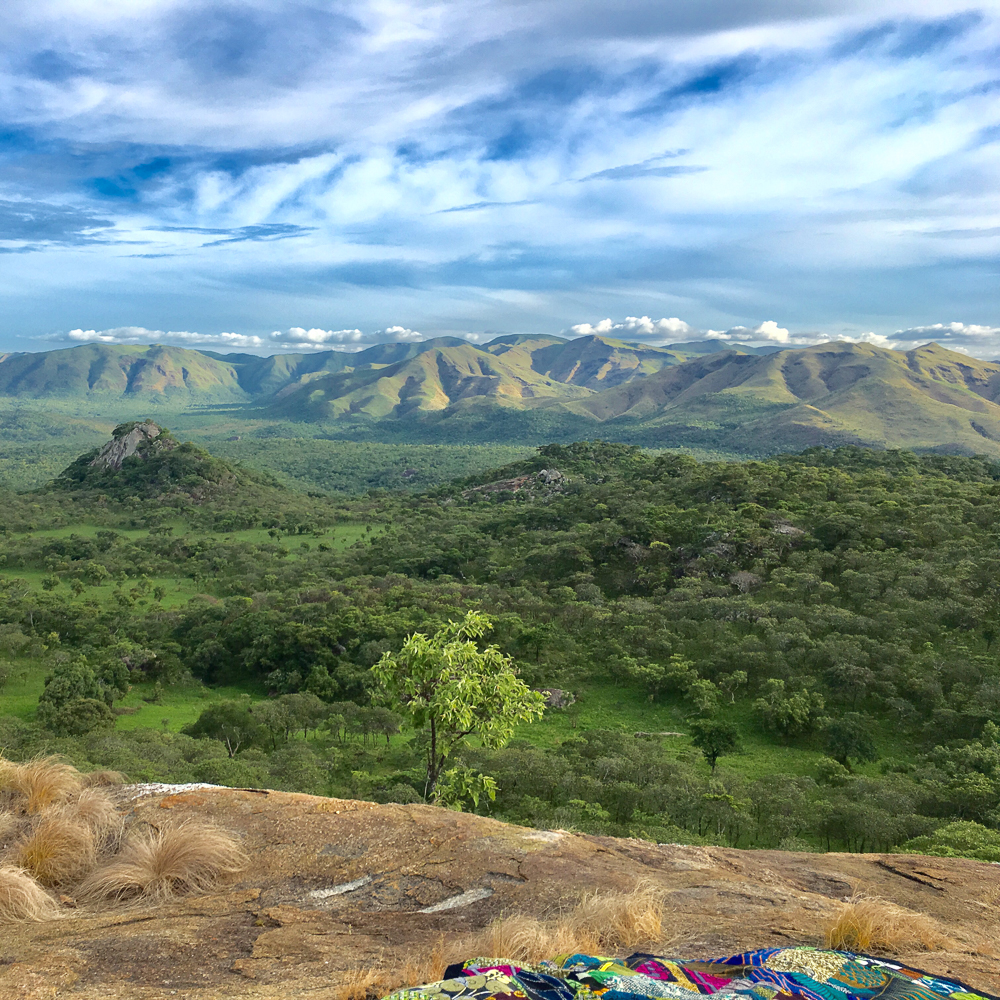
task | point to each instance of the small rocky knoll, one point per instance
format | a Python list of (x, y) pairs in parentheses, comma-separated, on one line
[(336, 885), (130, 439)]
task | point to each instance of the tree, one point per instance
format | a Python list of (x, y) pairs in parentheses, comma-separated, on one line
[(788, 712), (452, 689), (715, 739), (850, 737), (231, 723), (79, 717)]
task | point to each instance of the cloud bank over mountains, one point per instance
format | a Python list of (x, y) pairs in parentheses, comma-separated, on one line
[(979, 341), (486, 165)]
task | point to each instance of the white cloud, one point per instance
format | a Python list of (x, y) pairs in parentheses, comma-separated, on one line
[(140, 335), (299, 339), (768, 331), (635, 326), (944, 331), (296, 338), (875, 339)]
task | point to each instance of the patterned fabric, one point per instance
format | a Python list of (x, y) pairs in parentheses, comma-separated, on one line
[(770, 974)]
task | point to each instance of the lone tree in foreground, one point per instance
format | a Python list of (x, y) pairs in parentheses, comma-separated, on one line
[(452, 689)]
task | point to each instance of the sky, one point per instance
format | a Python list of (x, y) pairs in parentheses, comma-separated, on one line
[(274, 176)]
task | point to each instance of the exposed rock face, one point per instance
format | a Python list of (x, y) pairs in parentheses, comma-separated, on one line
[(337, 885), (127, 439)]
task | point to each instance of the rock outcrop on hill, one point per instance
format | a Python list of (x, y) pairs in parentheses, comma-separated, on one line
[(131, 439), (339, 885)]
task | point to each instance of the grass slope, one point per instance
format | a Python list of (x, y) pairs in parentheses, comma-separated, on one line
[(153, 373)]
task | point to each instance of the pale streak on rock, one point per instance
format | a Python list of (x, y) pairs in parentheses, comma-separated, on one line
[(462, 899)]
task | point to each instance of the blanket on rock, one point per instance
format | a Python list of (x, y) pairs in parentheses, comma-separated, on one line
[(772, 974)]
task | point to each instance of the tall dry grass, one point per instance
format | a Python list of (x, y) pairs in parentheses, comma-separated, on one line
[(59, 850), (95, 808), (172, 861), (369, 982), (600, 923), (21, 897), (38, 784), (103, 779), (869, 924)]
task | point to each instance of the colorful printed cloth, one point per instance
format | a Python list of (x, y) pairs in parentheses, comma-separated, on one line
[(772, 974)]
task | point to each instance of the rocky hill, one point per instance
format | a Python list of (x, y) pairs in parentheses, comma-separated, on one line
[(143, 459), (340, 887)]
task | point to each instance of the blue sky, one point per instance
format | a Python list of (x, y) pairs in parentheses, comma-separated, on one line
[(298, 175)]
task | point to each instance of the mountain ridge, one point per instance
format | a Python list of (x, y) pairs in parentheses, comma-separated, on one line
[(738, 399)]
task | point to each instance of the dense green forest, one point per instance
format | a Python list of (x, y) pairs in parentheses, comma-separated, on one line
[(798, 652)]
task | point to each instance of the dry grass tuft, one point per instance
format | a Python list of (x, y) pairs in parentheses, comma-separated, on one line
[(39, 783), (22, 898), (8, 825), (363, 984), (374, 981), (103, 779), (869, 924), (59, 850), (601, 923), (161, 864), (96, 809), (428, 968)]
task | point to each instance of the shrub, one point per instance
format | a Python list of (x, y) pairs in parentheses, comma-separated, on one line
[(958, 840), (172, 861), (872, 925), (22, 898), (59, 850)]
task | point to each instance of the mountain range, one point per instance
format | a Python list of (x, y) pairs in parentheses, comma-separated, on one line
[(703, 394)]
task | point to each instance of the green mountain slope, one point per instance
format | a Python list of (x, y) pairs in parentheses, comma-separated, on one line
[(105, 370), (431, 382), (833, 393), (263, 376)]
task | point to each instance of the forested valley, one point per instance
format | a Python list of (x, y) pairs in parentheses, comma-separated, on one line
[(800, 652)]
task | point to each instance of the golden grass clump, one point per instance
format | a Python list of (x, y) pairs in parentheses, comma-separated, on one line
[(103, 779), (172, 861), (39, 783), (873, 925), (361, 984), (95, 808), (22, 898), (601, 923), (8, 825), (59, 850)]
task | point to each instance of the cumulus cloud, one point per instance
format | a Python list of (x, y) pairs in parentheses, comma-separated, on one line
[(182, 338), (946, 331), (418, 159), (769, 332), (637, 327), (296, 338)]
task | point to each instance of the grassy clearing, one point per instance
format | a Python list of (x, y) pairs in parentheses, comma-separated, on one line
[(609, 706), (178, 704)]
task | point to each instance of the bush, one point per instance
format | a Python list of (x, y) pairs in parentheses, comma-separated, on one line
[(79, 717), (957, 840)]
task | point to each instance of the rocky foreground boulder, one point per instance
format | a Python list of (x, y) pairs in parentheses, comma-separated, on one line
[(338, 886)]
